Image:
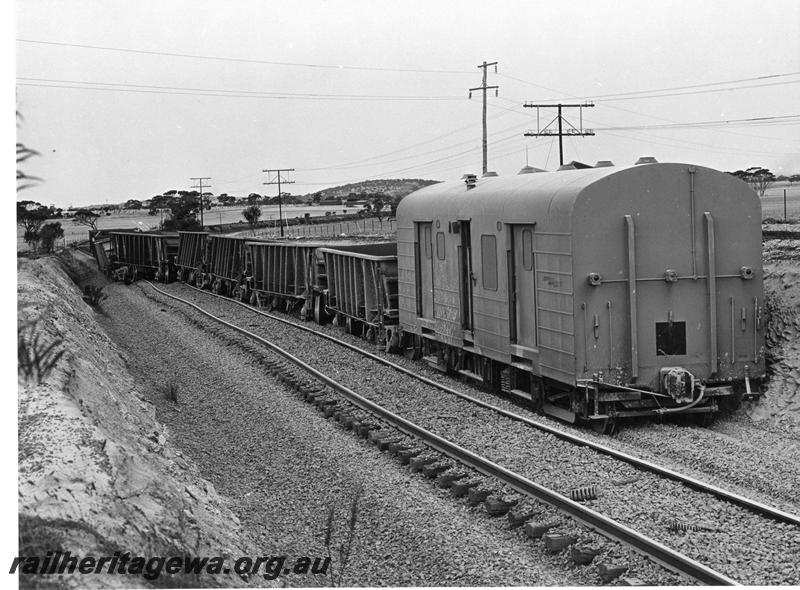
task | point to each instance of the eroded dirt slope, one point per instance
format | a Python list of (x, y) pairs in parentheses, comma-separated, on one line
[(97, 471)]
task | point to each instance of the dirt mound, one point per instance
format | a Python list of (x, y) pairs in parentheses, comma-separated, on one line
[(782, 291), (97, 472)]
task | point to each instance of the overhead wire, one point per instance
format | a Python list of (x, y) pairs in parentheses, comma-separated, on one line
[(251, 61)]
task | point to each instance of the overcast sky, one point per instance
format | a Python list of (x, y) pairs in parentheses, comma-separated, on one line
[(346, 91)]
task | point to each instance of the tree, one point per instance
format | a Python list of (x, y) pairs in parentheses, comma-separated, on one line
[(31, 216), (49, 233), (251, 214), (132, 204), (86, 217), (185, 210), (375, 205), (253, 198), (757, 177)]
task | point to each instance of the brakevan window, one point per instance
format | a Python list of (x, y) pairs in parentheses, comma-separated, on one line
[(440, 245), (427, 240), (489, 262), (527, 249)]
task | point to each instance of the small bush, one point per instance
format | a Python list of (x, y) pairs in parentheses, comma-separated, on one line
[(345, 547)]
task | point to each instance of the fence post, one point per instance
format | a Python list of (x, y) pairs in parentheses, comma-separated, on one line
[(784, 205)]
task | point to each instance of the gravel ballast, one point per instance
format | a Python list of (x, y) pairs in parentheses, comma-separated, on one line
[(282, 465), (728, 537)]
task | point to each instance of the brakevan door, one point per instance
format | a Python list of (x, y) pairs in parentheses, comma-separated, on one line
[(465, 274), (523, 286), (424, 270)]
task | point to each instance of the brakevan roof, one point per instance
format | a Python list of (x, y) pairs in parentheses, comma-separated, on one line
[(548, 196)]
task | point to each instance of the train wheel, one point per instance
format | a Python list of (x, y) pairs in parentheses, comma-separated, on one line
[(254, 299), (369, 335)]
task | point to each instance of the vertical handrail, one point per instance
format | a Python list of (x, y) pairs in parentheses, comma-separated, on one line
[(712, 291), (632, 296)]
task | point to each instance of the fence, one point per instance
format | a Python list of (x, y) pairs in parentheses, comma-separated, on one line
[(322, 230)]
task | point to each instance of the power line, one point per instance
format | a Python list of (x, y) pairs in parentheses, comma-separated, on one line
[(153, 89), (694, 92), (658, 90), (252, 61), (751, 121)]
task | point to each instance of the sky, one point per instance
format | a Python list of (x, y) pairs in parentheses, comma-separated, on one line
[(125, 100)]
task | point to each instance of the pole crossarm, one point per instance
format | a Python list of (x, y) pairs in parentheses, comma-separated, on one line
[(199, 185), (483, 88), (571, 129), (278, 180)]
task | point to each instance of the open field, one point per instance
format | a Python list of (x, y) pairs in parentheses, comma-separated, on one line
[(75, 232), (772, 202)]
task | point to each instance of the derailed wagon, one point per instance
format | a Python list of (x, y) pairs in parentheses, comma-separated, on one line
[(284, 274), (191, 259), (227, 265), (135, 255), (361, 289)]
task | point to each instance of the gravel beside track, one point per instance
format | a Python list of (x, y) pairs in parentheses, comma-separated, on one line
[(282, 465), (756, 459), (733, 541)]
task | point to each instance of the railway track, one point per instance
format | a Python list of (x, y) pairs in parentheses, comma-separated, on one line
[(401, 430), (639, 463)]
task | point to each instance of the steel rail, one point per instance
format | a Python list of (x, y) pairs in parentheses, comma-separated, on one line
[(643, 464), (609, 528)]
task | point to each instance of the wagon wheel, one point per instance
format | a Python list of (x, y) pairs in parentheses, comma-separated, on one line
[(318, 309)]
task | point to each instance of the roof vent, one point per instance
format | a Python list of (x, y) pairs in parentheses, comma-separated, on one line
[(470, 180), (604, 164), (647, 160), (530, 170), (489, 173), (574, 165)]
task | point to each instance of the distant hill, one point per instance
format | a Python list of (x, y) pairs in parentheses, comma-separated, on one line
[(393, 187)]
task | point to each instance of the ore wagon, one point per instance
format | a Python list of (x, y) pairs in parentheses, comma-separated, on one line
[(143, 255), (192, 252), (362, 288)]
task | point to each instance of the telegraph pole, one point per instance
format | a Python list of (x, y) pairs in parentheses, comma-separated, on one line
[(580, 131), (278, 180), (484, 88), (199, 185)]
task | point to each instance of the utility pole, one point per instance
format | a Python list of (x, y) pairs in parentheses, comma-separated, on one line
[(199, 185), (484, 88), (278, 180), (580, 131)]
